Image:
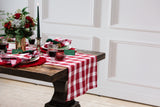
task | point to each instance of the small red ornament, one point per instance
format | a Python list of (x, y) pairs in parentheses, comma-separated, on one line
[(60, 56)]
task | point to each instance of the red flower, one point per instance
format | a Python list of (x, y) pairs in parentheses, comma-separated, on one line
[(33, 24), (7, 25), (17, 15), (30, 20), (27, 25)]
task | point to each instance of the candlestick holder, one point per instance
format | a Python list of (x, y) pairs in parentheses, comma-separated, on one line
[(38, 44)]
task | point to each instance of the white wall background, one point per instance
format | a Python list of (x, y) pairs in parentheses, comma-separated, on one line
[(128, 31)]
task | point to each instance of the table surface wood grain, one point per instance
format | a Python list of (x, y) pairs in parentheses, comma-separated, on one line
[(48, 73)]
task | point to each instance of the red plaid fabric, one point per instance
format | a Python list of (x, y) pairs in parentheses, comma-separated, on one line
[(14, 59), (82, 73)]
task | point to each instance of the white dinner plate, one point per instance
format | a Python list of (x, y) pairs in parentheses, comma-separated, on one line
[(32, 60), (67, 47)]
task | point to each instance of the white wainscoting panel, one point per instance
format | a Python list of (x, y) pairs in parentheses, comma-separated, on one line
[(136, 14), (13, 5), (81, 12), (135, 63)]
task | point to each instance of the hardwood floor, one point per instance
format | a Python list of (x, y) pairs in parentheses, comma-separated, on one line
[(21, 94)]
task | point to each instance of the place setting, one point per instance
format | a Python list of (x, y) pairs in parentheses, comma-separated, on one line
[(21, 59)]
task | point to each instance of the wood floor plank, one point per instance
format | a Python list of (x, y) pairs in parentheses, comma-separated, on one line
[(13, 93)]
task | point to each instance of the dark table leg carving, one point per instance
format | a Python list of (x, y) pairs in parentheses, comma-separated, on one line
[(60, 94)]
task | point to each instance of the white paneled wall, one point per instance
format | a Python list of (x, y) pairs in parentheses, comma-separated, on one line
[(136, 14), (128, 31), (81, 12), (136, 62), (10, 6)]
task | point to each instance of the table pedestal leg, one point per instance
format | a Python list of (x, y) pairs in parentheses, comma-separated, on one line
[(60, 95)]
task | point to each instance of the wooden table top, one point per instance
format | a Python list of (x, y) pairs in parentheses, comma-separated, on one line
[(48, 73)]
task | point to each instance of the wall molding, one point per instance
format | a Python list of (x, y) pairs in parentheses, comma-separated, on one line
[(112, 62), (114, 23), (31, 7), (94, 10)]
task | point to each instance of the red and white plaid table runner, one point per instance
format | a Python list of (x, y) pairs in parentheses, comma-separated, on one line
[(82, 73)]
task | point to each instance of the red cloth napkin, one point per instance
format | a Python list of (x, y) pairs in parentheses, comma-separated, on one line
[(12, 62), (43, 50), (82, 73), (14, 59)]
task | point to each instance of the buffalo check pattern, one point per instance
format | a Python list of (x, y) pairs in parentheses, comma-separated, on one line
[(82, 73), (14, 59)]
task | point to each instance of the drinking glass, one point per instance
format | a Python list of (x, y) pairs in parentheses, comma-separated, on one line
[(32, 42), (3, 46), (52, 49)]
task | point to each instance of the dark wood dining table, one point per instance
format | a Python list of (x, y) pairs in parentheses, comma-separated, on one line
[(55, 74)]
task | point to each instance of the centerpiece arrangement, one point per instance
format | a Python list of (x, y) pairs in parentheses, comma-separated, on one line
[(19, 26)]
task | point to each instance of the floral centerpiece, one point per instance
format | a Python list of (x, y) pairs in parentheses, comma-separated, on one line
[(20, 26)]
